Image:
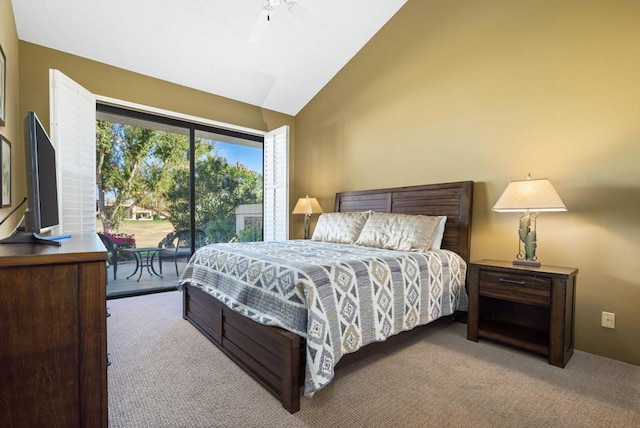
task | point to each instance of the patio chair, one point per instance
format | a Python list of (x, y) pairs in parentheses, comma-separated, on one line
[(177, 246), (112, 252)]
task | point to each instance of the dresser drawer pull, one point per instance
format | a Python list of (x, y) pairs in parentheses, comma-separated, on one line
[(512, 281)]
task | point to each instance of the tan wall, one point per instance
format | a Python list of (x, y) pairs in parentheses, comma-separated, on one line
[(12, 129), (489, 91)]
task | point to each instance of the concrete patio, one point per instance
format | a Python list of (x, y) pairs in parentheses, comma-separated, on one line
[(122, 287)]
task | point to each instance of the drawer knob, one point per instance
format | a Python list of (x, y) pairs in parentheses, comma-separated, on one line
[(513, 281)]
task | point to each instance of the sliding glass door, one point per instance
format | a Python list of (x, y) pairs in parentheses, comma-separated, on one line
[(166, 187)]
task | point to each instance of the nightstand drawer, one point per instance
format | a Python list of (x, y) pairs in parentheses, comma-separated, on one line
[(524, 288)]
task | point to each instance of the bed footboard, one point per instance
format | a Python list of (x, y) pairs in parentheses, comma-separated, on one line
[(272, 356)]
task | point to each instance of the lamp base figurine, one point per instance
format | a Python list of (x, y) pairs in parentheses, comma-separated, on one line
[(527, 239)]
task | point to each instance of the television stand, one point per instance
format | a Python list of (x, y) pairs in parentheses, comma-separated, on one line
[(22, 237)]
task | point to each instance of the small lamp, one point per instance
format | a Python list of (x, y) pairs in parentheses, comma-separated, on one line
[(528, 197), (307, 206)]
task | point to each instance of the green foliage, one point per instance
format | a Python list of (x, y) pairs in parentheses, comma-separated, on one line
[(121, 151), (249, 234), (220, 188), (151, 169)]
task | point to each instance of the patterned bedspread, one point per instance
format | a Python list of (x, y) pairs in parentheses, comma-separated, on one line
[(339, 297)]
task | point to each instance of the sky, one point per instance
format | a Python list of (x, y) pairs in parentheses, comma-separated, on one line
[(250, 157)]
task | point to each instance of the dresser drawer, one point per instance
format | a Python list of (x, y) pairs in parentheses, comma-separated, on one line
[(515, 287)]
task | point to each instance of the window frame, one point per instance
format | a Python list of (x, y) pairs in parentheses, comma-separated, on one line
[(107, 111)]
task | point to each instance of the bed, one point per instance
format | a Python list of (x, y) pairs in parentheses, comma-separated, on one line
[(285, 362)]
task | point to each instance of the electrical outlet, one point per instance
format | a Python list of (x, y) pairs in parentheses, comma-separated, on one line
[(608, 320)]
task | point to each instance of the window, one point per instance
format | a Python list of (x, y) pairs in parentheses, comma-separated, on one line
[(193, 177), (255, 222)]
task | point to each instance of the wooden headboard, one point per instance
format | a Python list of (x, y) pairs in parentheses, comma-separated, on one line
[(454, 200)]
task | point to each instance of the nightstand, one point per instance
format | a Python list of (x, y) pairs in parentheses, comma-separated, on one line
[(528, 307)]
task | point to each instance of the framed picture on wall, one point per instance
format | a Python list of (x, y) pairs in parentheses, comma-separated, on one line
[(3, 86), (5, 176)]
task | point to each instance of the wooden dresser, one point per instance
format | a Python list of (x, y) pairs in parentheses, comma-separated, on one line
[(53, 334)]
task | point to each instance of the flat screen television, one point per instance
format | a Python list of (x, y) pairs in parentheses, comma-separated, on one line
[(41, 215)]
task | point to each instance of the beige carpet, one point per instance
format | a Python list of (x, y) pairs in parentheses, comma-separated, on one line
[(166, 374)]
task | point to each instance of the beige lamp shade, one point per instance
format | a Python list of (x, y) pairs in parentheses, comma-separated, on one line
[(307, 206), (529, 195)]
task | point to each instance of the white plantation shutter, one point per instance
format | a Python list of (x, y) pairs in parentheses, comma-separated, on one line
[(276, 185), (73, 132)]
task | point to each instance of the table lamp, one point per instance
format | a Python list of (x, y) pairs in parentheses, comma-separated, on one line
[(528, 197), (307, 206)]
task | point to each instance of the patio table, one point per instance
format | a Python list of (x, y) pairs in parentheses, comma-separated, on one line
[(144, 259)]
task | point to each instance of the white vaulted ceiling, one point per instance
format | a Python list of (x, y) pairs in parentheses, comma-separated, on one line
[(204, 44)]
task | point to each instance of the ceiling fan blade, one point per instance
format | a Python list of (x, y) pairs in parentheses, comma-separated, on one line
[(260, 27)]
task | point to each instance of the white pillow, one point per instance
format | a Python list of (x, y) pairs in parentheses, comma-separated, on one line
[(436, 239), (402, 232), (341, 227)]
